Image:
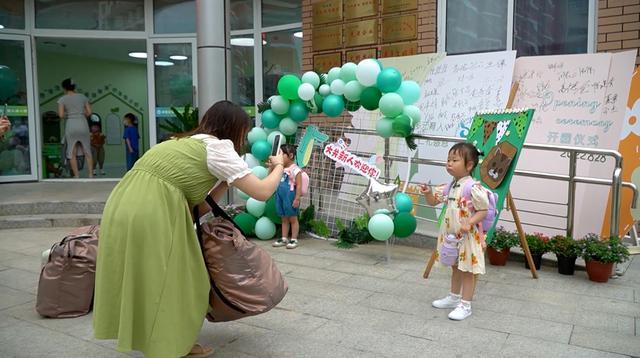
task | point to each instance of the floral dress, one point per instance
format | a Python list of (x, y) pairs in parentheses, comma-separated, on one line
[(471, 255)]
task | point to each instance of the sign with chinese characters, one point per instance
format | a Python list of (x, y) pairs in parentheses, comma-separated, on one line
[(327, 38), (327, 11), (389, 6), (354, 9), (339, 153), (361, 33), (399, 50), (325, 62), (359, 55), (400, 28)]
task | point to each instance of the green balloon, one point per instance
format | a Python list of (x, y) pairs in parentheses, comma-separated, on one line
[(288, 86), (391, 105), (316, 103), (246, 222), (280, 105), (404, 204), (348, 72), (298, 111), (334, 74), (242, 194), (256, 134), (270, 210), (353, 91), (370, 97), (333, 105), (352, 106), (260, 171), (380, 227), (413, 112), (404, 224), (270, 119), (384, 127), (288, 126), (261, 149), (409, 91), (255, 207), (389, 80), (265, 229), (402, 126)]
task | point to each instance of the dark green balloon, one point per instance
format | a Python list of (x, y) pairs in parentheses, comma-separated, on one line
[(370, 97), (270, 211), (247, 223), (352, 106), (402, 125), (404, 224)]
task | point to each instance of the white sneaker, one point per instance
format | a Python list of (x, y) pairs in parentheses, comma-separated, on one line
[(447, 302), (293, 243), (279, 243), (461, 312), (94, 172)]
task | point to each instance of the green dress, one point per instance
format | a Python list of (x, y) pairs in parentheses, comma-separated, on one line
[(152, 286)]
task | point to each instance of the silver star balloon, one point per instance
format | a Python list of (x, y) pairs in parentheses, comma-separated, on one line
[(378, 196)]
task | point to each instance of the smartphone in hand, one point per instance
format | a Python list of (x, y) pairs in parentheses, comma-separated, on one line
[(276, 144)]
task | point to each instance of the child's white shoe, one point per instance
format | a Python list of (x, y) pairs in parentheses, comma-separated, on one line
[(280, 242), (461, 312), (448, 302), (293, 243)]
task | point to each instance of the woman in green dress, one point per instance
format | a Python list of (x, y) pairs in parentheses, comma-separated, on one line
[(152, 287)]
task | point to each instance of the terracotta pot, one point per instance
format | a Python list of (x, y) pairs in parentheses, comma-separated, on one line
[(599, 271), (498, 257), (566, 264), (537, 261)]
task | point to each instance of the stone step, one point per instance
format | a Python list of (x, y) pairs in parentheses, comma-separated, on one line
[(51, 207), (48, 220)]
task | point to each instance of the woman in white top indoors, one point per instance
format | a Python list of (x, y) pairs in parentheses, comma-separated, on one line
[(152, 287), (74, 108)]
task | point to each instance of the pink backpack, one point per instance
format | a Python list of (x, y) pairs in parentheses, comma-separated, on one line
[(491, 209), (293, 171)]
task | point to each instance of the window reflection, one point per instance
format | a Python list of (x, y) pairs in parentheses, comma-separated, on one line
[(282, 54)]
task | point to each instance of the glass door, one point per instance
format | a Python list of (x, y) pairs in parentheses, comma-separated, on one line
[(172, 82), (18, 145)]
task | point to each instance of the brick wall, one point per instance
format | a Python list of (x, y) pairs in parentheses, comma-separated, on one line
[(619, 25)]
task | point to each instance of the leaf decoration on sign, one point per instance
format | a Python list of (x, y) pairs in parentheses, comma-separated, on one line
[(489, 127), (520, 123), (477, 123)]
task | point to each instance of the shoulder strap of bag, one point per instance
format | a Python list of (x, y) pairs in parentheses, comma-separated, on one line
[(217, 212)]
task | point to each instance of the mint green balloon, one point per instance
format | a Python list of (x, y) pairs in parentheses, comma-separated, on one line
[(270, 119), (288, 86), (380, 227), (255, 207), (260, 171), (288, 126), (265, 229), (412, 112), (334, 74), (261, 149), (256, 134), (242, 194), (402, 126), (391, 105), (333, 105), (348, 72), (409, 91), (384, 127), (280, 105), (353, 90), (389, 80), (404, 204), (311, 78), (298, 111)]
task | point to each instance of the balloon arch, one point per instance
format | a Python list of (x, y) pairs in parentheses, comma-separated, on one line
[(366, 84)]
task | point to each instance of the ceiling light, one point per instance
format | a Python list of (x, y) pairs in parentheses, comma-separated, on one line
[(138, 54), (298, 34), (178, 57), (164, 63), (242, 41), (1, 26)]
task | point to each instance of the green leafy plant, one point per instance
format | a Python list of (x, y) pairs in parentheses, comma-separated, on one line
[(308, 223), (354, 234), (565, 246), (503, 239), (183, 122), (538, 243), (320, 228), (611, 250)]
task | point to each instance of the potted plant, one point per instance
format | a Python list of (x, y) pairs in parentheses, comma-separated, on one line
[(600, 255), (567, 251), (499, 245), (538, 245)]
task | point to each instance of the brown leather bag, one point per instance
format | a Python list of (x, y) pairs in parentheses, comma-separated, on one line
[(67, 279), (245, 280)]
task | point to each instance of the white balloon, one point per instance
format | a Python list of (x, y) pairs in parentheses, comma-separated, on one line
[(311, 78), (367, 72), (324, 90), (251, 160), (337, 87), (306, 91), (334, 74)]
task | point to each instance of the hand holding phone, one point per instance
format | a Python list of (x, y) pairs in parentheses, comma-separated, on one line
[(276, 144)]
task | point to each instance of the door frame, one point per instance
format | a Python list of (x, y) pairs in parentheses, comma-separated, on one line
[(34, 141), (151, 79)]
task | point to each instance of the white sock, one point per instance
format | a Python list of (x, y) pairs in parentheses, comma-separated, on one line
[(466, 304), (455, 296), (284, 239)]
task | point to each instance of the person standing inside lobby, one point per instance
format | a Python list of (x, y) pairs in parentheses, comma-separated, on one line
[(74, 108)]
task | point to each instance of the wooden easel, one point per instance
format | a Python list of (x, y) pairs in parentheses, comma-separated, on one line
[(510, 206)]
